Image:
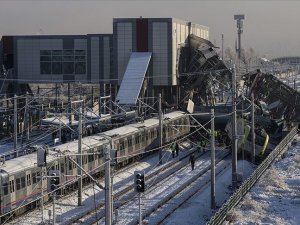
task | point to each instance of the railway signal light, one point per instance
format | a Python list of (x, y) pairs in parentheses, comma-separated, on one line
[(53, 180), (139, 180)]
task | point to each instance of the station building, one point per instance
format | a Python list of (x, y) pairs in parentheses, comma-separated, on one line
[(102, 58)]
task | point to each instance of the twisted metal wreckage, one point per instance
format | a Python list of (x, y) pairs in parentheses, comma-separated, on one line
[(204, 76)]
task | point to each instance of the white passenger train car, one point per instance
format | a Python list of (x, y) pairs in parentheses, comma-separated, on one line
[(20, 178)]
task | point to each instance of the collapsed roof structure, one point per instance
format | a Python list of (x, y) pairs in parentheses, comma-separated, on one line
[(283, 101), (201, 72)]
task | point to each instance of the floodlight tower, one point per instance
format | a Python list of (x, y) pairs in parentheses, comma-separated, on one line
[(239, 23)]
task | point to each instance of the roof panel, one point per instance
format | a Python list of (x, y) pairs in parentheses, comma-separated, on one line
[(133, 78)]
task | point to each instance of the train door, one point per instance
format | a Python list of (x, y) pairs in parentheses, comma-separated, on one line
[(12, 189), (5, 200)]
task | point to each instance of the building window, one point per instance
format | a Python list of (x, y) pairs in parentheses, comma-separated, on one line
[(80, 68), (68, 68), (45, 67), (63, 61)]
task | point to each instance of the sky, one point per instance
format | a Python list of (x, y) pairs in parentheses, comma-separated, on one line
[(271, 28)]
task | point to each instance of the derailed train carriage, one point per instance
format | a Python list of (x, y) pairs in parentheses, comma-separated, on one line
[(20, 178)]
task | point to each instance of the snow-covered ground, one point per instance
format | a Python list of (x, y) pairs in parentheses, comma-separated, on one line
[(275, 199), (197, 209)]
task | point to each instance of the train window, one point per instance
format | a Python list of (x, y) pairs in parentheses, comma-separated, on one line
[(91, 158), (23, 182), (18, 183), (122, 146), (100, 152), (5, 188), (122, 152), (152, 134), (28, 179), (12, 186), (142, 138), (34, 180), (147, 136), (129, 141), (136, 140), (62, 168), (70, 165), (38, 176)]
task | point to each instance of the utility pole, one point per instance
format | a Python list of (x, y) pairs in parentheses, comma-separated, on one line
[(99, 102), (222, 47), (112, 192), (253, 127), (107, 187), (79, 157), (42, 198), (56, 97), (212, 162), (69, 105), (54, 214), (104, 101), (92, 98), (239, 23), (234, 131), (59, 132), (140, 210), (27, 118), (15, 126), (160, 128)]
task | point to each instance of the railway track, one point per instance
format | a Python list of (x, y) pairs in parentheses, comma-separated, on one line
[(160, 213), (122, 196), (153, 183)]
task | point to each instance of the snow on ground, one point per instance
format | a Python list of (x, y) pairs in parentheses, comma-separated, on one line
[(67, 207), (161, 189), (197, 209), (275, 199)]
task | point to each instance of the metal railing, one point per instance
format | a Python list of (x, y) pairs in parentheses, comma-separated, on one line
[(221, 214)]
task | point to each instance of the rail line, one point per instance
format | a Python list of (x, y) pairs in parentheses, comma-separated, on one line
[(122, 196), (193, 187), (128, 201)]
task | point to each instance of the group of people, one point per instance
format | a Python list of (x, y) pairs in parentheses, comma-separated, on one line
[(175, 150)]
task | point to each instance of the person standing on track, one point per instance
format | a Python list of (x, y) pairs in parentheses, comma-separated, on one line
[(192, 161), (177, 149)]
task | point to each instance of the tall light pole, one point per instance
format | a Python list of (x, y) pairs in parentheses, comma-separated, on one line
[(79, 157), (234, 131), (222, 54), (212, 162), (239, 23), (160, 129)]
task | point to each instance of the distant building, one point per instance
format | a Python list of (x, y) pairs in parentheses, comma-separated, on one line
[(58, 58), (290, 60)]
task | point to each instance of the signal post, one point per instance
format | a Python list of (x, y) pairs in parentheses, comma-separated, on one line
[(139, 181)]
